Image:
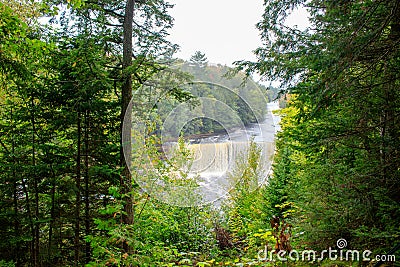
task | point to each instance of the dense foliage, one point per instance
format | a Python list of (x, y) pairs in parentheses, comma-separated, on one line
[(246, 98), (338, 154), (60, 122)]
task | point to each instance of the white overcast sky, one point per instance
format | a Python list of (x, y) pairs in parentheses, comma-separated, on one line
[(222, 29)]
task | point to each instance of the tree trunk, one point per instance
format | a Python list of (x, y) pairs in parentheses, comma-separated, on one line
[(87, 201), (78, 194), (36, 245), (52, 214), (126, 177), (16, 204)]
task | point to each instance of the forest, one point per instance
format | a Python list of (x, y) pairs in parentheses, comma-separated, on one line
[(242, 94), (79, 128)]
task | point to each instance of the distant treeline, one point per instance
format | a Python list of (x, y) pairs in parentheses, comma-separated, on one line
[(224, 101)]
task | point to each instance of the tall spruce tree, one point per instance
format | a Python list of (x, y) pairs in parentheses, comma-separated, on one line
[(199, 60)]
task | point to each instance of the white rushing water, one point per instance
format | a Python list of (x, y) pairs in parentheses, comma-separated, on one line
[(217, 157)]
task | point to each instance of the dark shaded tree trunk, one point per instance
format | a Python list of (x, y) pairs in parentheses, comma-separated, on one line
[(52, 214), (16, 204), (87, 200), (29, 213), (36, 226), (78, 193)]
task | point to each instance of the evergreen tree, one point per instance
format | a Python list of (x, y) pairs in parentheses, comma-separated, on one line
[(199, 60), (343, 129)]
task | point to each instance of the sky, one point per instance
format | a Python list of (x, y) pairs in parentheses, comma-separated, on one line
[(222, 29)]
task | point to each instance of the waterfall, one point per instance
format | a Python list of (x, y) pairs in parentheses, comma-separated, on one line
[(219, 159), (213, 162), (206, 169)]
